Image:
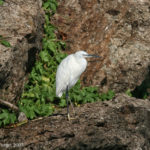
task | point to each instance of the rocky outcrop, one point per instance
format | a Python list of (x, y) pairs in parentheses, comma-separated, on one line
[(117, 30), (120, 124), (21, 24)]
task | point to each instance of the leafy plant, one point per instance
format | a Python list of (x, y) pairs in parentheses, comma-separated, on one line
[(7, 117), (1, 2), (86, 95), (50, 6), (128, 92), (39, 93), (3, 41), (107, 96)]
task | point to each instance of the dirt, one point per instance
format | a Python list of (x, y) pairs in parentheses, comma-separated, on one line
[(120, 124)]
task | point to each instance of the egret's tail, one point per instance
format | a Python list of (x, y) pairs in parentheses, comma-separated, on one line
[(59, 94)]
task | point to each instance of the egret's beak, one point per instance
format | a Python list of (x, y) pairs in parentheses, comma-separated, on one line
[(96, 56)]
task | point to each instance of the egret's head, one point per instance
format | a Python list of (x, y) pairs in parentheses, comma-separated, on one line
[(85, 54)]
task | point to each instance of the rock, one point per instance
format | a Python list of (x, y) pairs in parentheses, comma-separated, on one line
[(21, 24), (119, 124), (22, 117), (118, 30)]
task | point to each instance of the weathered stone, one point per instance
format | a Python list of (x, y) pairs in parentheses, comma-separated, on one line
[(120, 124), (21, 24), (118, 30)]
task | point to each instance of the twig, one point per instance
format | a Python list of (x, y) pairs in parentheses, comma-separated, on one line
[(8, 104)]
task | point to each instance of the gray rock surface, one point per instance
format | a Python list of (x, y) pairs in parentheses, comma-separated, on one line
[(118, 30), (119, 124), (21, 24)]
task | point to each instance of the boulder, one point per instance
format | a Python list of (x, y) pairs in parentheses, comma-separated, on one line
[(21, 24), (122, 123), (117, 30)]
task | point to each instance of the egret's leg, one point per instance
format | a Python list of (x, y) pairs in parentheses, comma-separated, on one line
[(67, 95), (72, 106)]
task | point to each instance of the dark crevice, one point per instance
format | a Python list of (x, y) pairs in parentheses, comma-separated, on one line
[(143, 91), (3, 79), (134, 24), (113, 12), (31, 59), (104, 81), (30, 38), (101, 124)]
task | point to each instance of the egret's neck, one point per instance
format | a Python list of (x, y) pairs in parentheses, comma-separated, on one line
[(81, 61)]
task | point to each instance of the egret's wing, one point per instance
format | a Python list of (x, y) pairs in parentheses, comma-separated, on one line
[(77, 67), (62, 76), (68, 73)]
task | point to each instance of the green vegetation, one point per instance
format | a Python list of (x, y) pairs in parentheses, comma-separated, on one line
[(1, 2), (7, 117), (3, 41), (128, 92), (39, 93), (38, 97)]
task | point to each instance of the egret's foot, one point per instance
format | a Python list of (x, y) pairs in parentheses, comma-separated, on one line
[(70, 118)]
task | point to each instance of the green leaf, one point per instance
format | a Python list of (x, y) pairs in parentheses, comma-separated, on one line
[(3, 115), (62, 103), (53, 7), (32, 114), (6, 121), (5, 43), (128, 92), (52, 46), (13, 118), (46, 5), (44, 56), (7, 117), (1, 2), (110, 95)]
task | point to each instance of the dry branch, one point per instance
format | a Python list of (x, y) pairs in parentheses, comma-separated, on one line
[(10, 105)]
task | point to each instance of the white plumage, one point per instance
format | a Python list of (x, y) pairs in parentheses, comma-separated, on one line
[(69, 71)]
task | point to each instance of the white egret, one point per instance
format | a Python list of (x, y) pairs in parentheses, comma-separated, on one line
[(69, 71)]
